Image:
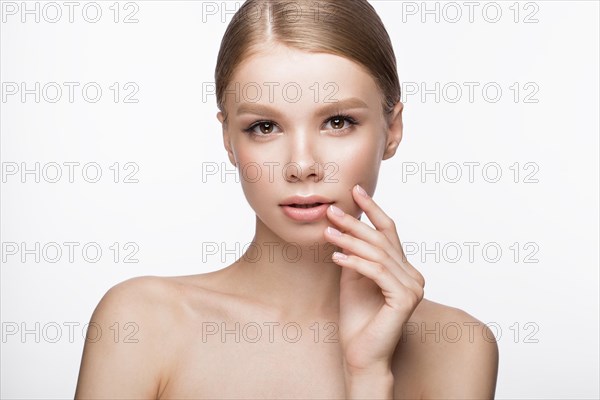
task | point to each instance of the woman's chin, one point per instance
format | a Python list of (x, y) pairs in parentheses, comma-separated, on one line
[(302, 238), (296, 233)]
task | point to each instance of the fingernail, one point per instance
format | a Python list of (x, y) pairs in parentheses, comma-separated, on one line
[(333, 231), (338, 256), (361, 191), (336, 211)]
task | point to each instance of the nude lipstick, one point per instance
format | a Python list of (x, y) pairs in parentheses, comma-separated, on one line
[(305, 208)]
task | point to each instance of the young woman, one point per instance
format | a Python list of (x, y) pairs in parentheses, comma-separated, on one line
[(321, 306)]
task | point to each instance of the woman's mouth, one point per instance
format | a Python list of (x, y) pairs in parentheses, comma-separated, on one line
[(307, 208), (305, 212), (305, 205)]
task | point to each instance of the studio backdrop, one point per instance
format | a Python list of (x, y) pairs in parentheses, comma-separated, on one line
[(113, 166)]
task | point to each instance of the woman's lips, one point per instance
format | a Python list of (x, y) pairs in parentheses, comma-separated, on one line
[(305, 214)]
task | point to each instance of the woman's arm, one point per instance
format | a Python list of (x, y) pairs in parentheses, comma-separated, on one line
[(375, 384), (379, 291), (120, 357), (374, 311)]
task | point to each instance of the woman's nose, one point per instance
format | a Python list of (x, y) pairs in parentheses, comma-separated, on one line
[(303, 163)]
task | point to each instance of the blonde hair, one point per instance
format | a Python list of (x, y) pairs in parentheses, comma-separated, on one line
[(347, 28)]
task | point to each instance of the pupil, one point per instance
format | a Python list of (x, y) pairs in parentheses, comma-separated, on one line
[(338, 123), (267, 127)]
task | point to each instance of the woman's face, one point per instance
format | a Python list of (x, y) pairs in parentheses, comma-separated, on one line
[(302, 124)]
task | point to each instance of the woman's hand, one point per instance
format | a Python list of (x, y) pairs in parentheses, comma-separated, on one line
[(379, 288)]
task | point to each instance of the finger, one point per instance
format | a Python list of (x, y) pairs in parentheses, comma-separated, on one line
[(370, 253), (380, 220), (395, 291), (350, 225), (386, 225)]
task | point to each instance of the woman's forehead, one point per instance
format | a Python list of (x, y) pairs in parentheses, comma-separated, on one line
[(290, 75)]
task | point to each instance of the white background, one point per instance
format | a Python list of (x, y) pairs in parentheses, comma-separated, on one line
[(172, 134)]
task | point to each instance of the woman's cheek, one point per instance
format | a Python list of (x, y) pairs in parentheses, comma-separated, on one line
[(257, 182), (260, 173), (361, 168)]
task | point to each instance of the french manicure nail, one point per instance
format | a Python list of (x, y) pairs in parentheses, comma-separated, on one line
[(333, 231), (361, 191), (336, 211)]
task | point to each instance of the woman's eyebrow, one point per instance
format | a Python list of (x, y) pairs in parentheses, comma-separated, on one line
[(329, 108)]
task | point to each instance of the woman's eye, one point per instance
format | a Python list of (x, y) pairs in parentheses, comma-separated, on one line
[(337, 123), (261, 128), (340, 122), (266, 127)]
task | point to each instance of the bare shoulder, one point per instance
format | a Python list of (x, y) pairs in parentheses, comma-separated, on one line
[(132, 322), (145, 300), (452, 353), (151, 297)]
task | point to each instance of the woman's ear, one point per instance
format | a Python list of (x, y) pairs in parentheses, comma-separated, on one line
[(394, 136), (226, 138)]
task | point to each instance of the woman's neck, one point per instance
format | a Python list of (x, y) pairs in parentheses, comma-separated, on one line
[(297, 280)]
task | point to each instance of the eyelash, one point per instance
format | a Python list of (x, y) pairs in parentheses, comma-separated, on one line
[(350, 120)]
